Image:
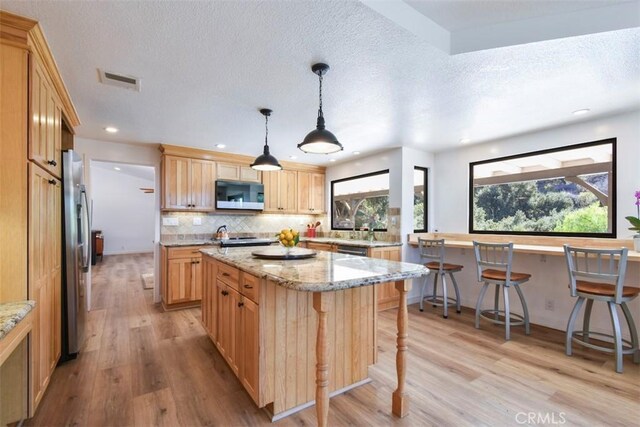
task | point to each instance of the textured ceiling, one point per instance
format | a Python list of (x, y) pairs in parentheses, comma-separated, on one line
[(207, 67)]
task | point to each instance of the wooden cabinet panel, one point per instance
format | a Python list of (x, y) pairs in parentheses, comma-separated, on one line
[(45, 136), (234, 355), (176, 189), (250, 175), (181, 276), (321, 246), (310, 192), (250, 287), (222, 315), (387, 295), (202, 184), (209, 297), (188, 184), (44, 276), (228, 172), (280, 191), (249, 347)]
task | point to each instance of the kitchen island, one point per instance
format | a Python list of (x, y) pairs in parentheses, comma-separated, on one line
[(268, 318)]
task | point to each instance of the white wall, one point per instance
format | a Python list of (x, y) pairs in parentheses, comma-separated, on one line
[(122, 211), (549, 281), (139, 154)]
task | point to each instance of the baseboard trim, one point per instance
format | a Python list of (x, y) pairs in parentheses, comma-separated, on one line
[(128, 252)]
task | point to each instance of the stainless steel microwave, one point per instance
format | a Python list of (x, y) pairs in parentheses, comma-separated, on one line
[(239, 195)]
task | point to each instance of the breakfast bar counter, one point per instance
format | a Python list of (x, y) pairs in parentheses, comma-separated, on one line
[(284, 303)]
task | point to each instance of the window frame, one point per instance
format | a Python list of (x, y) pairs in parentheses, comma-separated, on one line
[(613, 185), (426, 203), (350, 178)]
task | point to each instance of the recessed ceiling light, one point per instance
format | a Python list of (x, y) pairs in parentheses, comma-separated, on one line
[(465, 141), (293, 157), (356, 153), (116, 168), (581, 112), (332, 160), (220, 145), (111, 129)]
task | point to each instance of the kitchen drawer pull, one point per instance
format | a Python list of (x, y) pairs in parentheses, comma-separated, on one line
[(225, 274), (224, 293), (52, 181), (53, 163), (248, 286), (240, 304)]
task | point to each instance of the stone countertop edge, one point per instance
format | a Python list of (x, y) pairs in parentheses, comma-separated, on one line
[(348, 242), (174, 243), (420, 271), (11, 313)]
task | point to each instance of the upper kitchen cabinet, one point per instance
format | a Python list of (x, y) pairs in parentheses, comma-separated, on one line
[(188, 184), (280, 191), (45, 137), (311, 198), (237, 172)]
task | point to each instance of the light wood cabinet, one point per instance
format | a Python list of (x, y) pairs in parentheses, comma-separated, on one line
[(188, 184), (237, 172), (44, 276), (311, 194), (280, 191), (387, 295), (45, 140), (250, 347), (321, 246), (209, 297), (181, 276)]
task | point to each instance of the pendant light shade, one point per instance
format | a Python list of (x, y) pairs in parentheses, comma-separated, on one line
[(320, 140), (265, 161)]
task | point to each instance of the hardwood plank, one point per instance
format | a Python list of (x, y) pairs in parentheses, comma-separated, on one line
[(146, 363), (111, 401), (156, 408)]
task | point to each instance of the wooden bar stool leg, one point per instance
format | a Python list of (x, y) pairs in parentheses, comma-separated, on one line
[(587, 320), (633, 331), (571, 324), (507, 313), (617, 335), (479, 303)]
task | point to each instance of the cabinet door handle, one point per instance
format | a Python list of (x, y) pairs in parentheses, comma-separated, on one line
[(197, 262), (248, 286), (52, 181), (225, 274), (52, 163), (240, 304), (224, 293)]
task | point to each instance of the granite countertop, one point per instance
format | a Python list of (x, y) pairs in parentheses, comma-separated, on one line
[(11, 313), (349, 242), (325, 272), (173, 243)]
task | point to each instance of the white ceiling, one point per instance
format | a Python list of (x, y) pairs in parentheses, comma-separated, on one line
[(138, 171), (207, 67)]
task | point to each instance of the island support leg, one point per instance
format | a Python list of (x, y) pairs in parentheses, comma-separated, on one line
[(400, 398), (322, 303)]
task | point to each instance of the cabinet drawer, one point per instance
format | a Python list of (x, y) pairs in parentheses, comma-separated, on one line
[(229, 275), (185, 252), (250, 287)]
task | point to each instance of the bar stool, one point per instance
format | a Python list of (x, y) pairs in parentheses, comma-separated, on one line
[(598, 275), (494, 267), (434, 250)]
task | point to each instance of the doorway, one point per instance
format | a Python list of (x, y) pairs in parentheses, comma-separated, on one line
[(123, 212)]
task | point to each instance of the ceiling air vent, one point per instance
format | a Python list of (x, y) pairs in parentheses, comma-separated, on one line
[(119, 80)]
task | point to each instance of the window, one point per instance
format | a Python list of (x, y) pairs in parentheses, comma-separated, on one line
[(361, 200), (420, 181), (568, 191)]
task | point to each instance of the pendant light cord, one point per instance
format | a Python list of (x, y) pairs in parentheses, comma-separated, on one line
[(320, 110), (266, 129)]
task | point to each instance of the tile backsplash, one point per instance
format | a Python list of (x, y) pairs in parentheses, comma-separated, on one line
[(262, 225), (237, 224)]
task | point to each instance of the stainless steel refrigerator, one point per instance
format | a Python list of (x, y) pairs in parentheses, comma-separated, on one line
[(75, 254)]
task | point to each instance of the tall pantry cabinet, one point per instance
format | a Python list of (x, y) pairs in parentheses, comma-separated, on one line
[(33, 104)]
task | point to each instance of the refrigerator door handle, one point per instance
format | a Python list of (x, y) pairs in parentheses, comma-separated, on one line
[(85, 232)]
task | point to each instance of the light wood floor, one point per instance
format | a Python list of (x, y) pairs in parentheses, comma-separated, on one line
[(141, 366)]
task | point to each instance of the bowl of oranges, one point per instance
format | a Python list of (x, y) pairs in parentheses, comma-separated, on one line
[(288, 237)]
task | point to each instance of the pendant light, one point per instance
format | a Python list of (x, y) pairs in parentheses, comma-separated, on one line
[(265, 161), (320, 140)]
